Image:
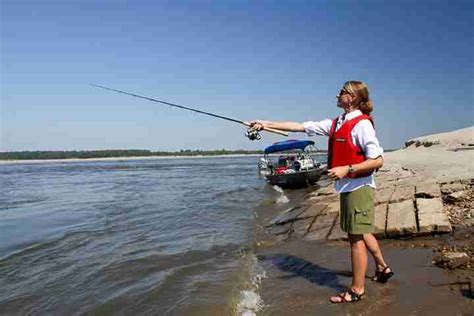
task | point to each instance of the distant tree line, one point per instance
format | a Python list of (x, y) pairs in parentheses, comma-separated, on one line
[(30, 155), (117, 153)]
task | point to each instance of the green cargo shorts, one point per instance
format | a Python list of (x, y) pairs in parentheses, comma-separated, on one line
[(357, 211)]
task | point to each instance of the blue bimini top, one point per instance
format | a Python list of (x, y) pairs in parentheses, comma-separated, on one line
[(288, 145)]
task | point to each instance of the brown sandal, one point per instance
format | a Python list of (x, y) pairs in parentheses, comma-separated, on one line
[(355, 297), (382, 276)]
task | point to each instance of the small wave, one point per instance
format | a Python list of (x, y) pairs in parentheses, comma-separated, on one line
[(164, 261), (282, 199), (278, 189), (8, 203), (182, 167), (237, 192), (231, 191), (35, 248), (250, 301)]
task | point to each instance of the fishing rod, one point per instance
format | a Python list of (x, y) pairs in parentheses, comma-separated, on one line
[(251, 133)]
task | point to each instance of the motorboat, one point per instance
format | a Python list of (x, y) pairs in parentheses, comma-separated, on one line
[(294, 166)]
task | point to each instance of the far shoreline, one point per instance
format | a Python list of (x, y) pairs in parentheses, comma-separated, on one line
[(131, 158), (19, 161)]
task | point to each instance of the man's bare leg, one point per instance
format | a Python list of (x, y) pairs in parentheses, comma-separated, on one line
[(359, 262), (359, 267), (373, 246)]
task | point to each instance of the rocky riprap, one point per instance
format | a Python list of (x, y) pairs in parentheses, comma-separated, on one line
[(407, 203)]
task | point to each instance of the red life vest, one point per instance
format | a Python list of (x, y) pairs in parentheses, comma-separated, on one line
[(341, 150)]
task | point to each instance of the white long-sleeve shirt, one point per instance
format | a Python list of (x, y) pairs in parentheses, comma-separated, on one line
[(363, 135)]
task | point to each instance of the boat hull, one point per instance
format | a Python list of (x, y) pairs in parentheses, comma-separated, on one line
[(296, 179)]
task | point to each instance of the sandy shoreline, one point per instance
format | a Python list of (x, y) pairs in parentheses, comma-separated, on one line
[(441, 157)]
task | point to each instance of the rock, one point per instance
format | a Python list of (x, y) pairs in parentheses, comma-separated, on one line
[(312, 210), (469, 221), (286, 216), (458, 196), (427, 190), (401, 218), (336, 232), (452, 187), (321, 227), (409, 142), (380, 219), (398, 175), (424, 143), (334, 207), (282, 229), (301, 227), (325, 198), (468, 217), (282, 237), (402, 193), (383, 195), (451, 260), (431, 217), (324, 191), (265, 243)]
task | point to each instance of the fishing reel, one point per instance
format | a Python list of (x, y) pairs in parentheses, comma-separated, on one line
[(253, 134)]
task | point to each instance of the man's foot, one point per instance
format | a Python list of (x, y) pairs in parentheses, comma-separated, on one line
[(347, 297), (383, 275)]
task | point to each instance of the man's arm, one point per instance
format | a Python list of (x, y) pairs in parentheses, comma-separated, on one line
[(368, 165), (365, 166), (282, 126)]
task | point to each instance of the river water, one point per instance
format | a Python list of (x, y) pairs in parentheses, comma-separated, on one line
[(162, 236)]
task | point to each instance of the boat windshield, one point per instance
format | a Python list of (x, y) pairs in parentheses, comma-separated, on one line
[(286, 161)]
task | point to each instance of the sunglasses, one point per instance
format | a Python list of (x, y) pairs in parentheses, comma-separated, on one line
[(341, 93)]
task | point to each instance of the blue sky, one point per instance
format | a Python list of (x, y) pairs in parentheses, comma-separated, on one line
[(277, 60)]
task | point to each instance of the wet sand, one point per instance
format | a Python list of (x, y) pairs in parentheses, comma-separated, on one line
[(303, 275)]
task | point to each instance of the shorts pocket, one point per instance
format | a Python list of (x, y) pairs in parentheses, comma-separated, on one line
[(363, 217)]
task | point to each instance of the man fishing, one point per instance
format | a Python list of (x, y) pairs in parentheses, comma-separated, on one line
[(354, 154)]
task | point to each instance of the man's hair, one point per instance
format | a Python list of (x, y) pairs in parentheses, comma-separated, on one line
[(361, 93)]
